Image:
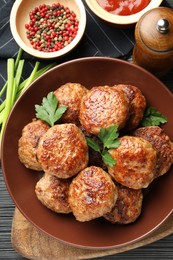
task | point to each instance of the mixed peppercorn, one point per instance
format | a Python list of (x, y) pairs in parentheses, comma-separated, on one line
[(51, 28)]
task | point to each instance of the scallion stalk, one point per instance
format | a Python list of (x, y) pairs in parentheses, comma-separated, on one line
[(3, 89), (19, 55), (9, 93), (1, 116), (18, 58), (32, 75), (13, 87), (17, 78), (2, 105), (19, 72), (37, 74)]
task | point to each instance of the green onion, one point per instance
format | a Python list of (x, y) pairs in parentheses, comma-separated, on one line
[(16, 65), (37, 74), (2, 105), (32, 76), (19, 55), (14, 87), (17, 79), (1, 116), (9, 97), (3, 89), (19, 72)]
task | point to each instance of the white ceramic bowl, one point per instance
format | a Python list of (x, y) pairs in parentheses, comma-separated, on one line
[(20, 16), (120, 20)]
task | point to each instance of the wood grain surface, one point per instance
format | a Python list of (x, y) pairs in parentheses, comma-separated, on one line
[(31, 243)]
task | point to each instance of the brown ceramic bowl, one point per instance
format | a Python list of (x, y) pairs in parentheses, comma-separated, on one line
[(158, 199), (120, 20), (20, 16)]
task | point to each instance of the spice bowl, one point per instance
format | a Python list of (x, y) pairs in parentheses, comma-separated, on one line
[(46, 29), (113, 17)]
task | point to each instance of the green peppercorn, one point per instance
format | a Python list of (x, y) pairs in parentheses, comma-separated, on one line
[(49, 25)]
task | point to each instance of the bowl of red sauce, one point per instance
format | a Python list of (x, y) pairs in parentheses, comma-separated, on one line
[(121, 12), (48, 29)]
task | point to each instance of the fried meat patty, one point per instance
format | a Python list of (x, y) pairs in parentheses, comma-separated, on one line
[(28, 143), (137, 105), (161, 143), (53, 193), (127, 207), (63, 151), (70, 94), (92, 194), (135, 162), (102, 107)]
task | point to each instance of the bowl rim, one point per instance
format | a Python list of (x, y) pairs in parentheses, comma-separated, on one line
[(7, 182), (120, 19), (40, 54)]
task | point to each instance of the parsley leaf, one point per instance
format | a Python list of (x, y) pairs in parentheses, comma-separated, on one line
[(107, 158), (93, 144), (48, 111), (153, 118), (109, 139)]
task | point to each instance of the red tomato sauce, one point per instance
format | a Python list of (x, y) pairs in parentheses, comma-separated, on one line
[(123, 7)]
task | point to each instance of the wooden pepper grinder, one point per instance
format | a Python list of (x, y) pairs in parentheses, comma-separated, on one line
[(154, 41)]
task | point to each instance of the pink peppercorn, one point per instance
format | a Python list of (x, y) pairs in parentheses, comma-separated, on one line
[(50, 27)]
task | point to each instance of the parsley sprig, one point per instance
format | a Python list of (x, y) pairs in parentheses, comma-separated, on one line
[(49, 110), (152, 117), (109, 140)]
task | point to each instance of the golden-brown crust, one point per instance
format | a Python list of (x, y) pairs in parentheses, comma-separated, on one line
[(70, 94), (161, 143), (127, 207), (135, 162), (102, 107), (53, 193), (63, 151), (28, 143), (92, 193), (137, 105)]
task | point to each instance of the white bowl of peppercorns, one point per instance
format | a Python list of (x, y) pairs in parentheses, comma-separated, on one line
[(48, 29)]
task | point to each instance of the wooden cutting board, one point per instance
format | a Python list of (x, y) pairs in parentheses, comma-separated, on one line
[(31, 243)]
